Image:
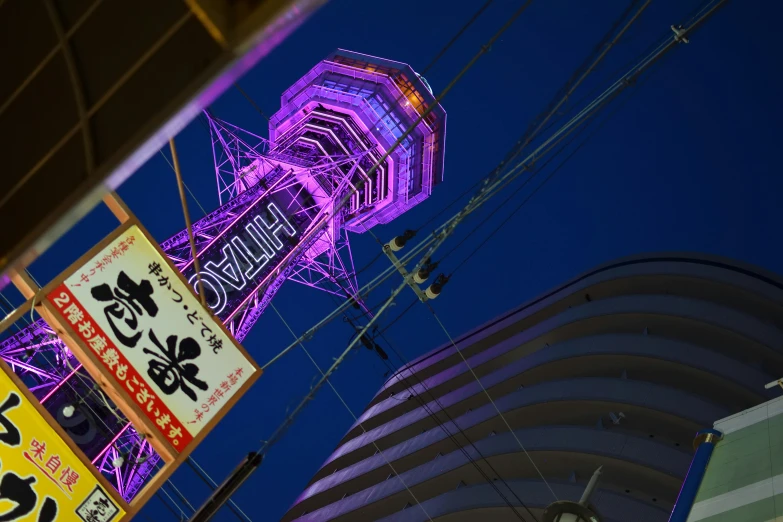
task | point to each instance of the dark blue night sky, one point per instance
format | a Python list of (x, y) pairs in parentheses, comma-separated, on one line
[(689, 163)]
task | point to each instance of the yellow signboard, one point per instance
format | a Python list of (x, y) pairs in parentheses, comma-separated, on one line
[(41, 478)]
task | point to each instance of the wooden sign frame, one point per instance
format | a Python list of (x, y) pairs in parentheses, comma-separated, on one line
[(36, 298)]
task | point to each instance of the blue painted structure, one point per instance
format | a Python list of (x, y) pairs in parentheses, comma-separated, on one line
[(705, 445)]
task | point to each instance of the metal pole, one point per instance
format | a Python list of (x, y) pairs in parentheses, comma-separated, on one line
[(704, 444), (188, 225), (223, 493), (590, 486)]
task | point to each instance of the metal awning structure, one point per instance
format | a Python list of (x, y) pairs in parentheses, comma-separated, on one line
[(92, 88)]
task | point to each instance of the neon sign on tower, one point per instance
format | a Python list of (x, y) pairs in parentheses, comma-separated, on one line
[(239, 260)]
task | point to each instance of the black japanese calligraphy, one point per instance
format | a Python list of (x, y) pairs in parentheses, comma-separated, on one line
[(215, 343), (168, 370), (155, 268), (14, 488), (157, 271), (20, 491), (10, 435), (98, 507), (126, 303), (99, 510)]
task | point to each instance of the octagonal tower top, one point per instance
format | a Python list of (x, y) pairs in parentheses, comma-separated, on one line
[(352, 104)]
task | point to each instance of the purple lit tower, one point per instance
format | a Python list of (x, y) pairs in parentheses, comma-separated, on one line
[(287, 203)]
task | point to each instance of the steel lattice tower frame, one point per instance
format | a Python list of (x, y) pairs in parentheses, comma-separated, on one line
[(328, 143)]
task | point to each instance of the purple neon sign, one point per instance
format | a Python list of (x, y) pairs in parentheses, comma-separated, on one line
[(241, 258)]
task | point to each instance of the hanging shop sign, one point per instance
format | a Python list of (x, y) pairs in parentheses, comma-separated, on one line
[(41, 478), (152, 337)]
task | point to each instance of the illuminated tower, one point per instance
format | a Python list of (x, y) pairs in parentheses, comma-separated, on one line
[(335, 125), (329, 167)]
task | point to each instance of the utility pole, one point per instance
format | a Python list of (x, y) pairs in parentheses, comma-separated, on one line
[(223, 493)]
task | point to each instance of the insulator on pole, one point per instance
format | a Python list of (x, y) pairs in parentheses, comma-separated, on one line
[(398, 243), (435, 288), (424, 272)]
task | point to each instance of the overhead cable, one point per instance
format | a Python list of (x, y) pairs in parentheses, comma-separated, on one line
[(366, 312), (452, 437), (355, 418), (341, 204)]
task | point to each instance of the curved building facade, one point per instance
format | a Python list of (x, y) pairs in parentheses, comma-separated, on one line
[(617, 368)]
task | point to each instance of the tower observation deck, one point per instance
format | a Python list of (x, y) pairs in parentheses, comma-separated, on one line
[(330, 166)]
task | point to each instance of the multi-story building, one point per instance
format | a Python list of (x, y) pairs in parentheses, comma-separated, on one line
[(617, 368)]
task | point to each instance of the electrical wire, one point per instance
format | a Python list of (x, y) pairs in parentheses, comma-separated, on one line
[(355, 418), (692, 21), (364, 268), (426, 112), (400, 315), (510, 197), (233, 507), (278, 433), (470, 368), (456, 37), (442, 409), (181, 517), (204, 476), (456, 348), (397, 143), (522, 186), (492, 401), (341, 204), (433, 415), (384, 358), (250, 100), (345, 200), (453, 438), (490, 186), (182, 511), (439, 213), (647, 64), (180, 495), (409, 90), (544, 121), (522, 203), (600, 51), (325, 375)]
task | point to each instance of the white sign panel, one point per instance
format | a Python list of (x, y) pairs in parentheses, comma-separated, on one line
[(153, 336)]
